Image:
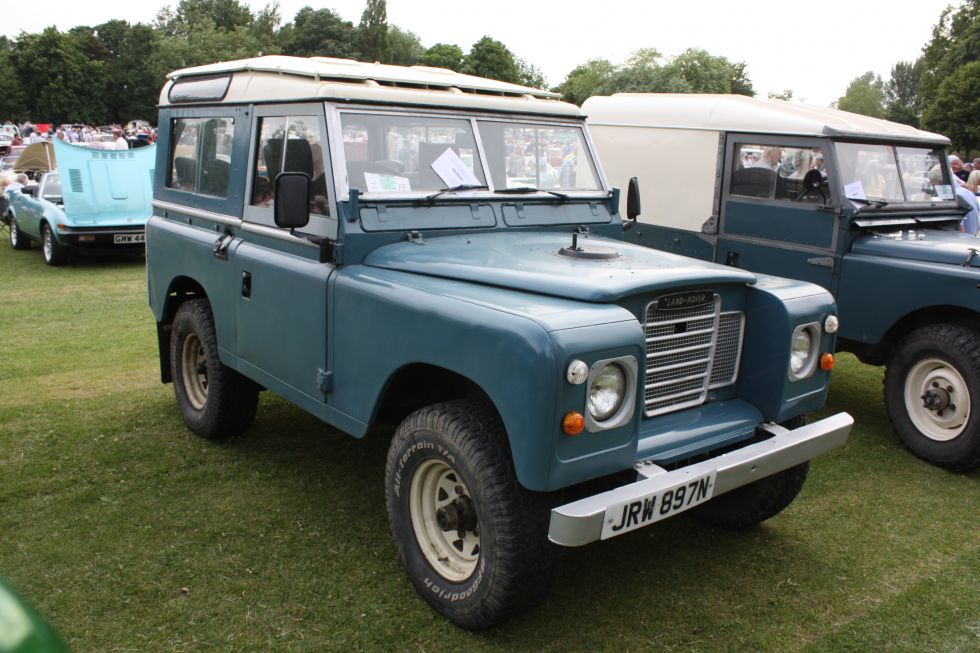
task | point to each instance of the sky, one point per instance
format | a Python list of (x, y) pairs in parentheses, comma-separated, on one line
[(812, 48)]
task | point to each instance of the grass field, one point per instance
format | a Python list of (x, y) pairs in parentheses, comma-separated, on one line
[(131, 534)]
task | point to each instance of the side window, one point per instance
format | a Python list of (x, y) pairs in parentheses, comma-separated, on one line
[(52, 189), (774, 171), (200, 155), (289, 144)]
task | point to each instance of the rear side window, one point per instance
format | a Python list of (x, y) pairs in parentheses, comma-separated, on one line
[(200, 155), (775, 171)]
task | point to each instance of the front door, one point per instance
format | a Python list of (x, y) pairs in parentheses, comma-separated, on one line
[(283, 296), (770, 223)]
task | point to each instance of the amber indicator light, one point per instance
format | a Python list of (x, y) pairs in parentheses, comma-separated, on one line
[(827, 362), (573, 424)]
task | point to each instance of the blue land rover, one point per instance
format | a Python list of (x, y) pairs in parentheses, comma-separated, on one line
[(864, 207), (440, 252)]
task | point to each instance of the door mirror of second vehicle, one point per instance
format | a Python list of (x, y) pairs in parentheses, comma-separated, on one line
[(292, 203), (632, 201)]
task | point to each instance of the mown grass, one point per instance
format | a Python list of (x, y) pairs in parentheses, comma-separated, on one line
[(130, 534)]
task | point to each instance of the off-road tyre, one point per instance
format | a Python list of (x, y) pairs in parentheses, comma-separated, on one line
[(18, 239), (939, 359), (216, 401), (462, 446), (54, 253), (756, 502)]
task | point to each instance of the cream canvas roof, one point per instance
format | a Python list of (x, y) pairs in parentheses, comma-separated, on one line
[(277, 78), (743, 114)]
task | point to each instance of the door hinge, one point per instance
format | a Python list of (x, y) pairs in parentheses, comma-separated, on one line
[(324, 381), (220, 247)]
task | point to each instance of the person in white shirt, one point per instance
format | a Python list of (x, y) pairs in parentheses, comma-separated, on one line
[(119, 142)]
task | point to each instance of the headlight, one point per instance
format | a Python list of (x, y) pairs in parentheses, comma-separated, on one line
[(803, 351), (607, 392)]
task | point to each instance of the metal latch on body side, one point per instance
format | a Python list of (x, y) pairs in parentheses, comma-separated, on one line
[(415, 237), (220, 247), (324, 381)]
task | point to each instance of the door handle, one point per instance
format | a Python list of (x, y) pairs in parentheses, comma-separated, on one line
[(220, 247)]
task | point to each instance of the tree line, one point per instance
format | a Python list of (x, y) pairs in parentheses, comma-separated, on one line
[(113, 72), (940, 90)]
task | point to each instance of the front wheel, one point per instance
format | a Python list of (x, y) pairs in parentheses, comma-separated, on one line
[(54, 252), (473, 541), (932, 383), (215, 400), (18, 239)]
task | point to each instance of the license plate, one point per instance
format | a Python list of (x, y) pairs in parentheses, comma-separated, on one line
[(126, 239), (629, 515)]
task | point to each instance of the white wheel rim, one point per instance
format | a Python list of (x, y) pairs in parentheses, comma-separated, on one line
[(194, 371), (48, 245), (453, 554), (937, 399)]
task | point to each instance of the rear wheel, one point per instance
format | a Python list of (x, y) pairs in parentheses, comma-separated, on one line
[(932, 385), (473, 541), (54, 252), (18, 239), (215, 400), (756, 502)]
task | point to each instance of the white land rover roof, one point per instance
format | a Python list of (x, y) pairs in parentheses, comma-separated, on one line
[(279, 78), (739, 113)]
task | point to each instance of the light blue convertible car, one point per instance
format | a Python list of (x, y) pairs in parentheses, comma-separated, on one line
[(87, 201)]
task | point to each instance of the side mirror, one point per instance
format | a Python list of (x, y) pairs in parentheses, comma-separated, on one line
[(292, 203), (633, 199)]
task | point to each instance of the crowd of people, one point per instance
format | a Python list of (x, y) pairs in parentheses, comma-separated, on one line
[(107, 137), (966, 182)]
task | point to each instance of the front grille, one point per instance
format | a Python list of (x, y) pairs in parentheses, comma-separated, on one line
[(689, 350)]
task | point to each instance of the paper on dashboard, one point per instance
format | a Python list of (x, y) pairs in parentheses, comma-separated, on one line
[(453, 171)]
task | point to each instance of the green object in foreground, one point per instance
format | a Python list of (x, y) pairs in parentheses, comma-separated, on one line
[(22, 630)]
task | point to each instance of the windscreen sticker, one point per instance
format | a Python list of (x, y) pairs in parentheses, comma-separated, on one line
[(855, 190), (453, 171), (944, 191), (386, 183)]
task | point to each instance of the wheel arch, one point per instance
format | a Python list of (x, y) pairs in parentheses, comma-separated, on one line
[(417, 385), (181, 289), (879, 353)]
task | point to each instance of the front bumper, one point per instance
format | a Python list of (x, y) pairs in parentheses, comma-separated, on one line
[(103, 240), (581, 522)]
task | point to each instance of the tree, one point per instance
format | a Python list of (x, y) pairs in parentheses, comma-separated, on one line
[(223, 15), (319, 33), (955, 42), (404, 47), (584, 80), (864, 95), (491, 58), (957, 107), (786, 95), (59, 82), (902, 93), (442, 55), (529, 74), (12, 101), (372, 31), (741, 84), (703, 72)]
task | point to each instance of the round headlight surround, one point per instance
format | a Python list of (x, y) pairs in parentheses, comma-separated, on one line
[(803, 351), (607, 391)]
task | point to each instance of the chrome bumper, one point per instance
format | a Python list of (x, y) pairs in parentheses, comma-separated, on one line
[(580, 522)]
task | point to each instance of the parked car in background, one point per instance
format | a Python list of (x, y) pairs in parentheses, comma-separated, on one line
[(91, 202), (861, 206), (7, 134)]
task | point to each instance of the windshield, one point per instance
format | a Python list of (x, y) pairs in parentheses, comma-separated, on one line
[(399, 154), (887, 173)]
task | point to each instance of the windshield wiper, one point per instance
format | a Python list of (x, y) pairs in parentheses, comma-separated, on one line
[(878, 203), (531, 189), (429, 199)]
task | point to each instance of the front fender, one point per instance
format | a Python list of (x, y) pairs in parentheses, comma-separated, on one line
[(501, 340)]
